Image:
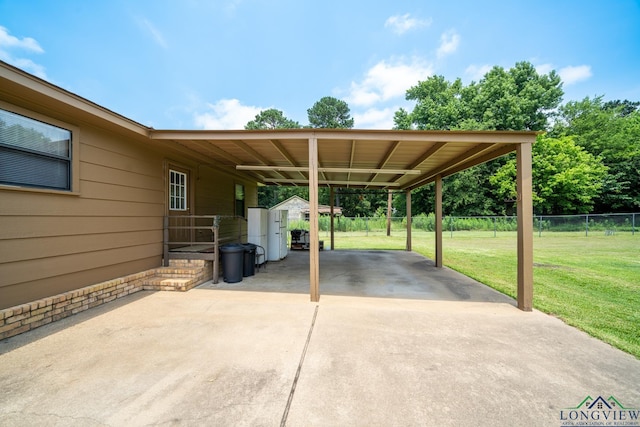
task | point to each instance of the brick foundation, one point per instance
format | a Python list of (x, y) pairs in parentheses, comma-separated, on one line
[(181, 275)]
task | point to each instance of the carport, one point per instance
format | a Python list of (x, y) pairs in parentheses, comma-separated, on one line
[(382, 159)]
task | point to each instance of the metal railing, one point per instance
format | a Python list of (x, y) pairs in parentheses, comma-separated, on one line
[(194, 237)]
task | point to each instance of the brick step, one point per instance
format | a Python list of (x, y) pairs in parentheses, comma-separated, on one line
[(164, 283), (177, 271), (175, 277)]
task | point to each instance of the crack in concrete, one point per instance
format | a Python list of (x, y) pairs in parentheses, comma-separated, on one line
[(283, 422)]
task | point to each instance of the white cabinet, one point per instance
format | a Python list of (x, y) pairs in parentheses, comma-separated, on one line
[(278, 224), (258, 229)]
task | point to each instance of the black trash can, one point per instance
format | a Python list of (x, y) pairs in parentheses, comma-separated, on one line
[(232, 260), (249, 259)]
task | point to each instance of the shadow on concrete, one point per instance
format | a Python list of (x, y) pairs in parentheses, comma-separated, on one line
[(12, 343), (367, 273)]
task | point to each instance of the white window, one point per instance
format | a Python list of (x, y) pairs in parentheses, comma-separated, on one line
[(177, 191), (33, 153)]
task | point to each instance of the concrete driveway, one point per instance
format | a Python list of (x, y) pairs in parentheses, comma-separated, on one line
[(377, 350)]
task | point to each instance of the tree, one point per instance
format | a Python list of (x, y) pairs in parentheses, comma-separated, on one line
[(402, 120), (438, 105), (517, 99), (330, 113), (333, 113), (622, 108), (514, 99), (610, 130), (271, 119), (269, 196), (566, 178), (356, 202)]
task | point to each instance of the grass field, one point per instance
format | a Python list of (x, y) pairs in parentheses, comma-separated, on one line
[(592, 283)]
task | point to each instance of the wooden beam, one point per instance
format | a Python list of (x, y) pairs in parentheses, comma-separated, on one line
[(324, 176), (500, 137), (502, 150), (408, 245), (285, 153), (432, 150), (336, 183), (213, 149), (332, 196), (331, 170), (185, 150), (353, 153), (389, 209), (251, 151), (499, 152), (314, 245), (525, 227), (449, 165), (438, 221), (216, 248), (377, 171), (385, 159)]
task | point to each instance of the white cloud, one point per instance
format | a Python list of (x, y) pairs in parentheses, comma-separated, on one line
[(9, 43), (154, 32), (375, 118), (477, 72), (544, 68), (400, 24), (449, 42), (226, 114), (27, 43), (387, 80), (571, 74)]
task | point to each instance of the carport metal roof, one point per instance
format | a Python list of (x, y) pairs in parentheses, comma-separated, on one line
[(387, 159)]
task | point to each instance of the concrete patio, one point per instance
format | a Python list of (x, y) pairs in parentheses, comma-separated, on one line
[(392, 342)]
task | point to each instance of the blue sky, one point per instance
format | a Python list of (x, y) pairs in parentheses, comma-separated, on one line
[(195, 64)]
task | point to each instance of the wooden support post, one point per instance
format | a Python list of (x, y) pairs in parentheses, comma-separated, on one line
[(525, 227), (389, 208), (438, 230), (216, 247), (314, 241), (408, 246), (331, 203), (165, 246)]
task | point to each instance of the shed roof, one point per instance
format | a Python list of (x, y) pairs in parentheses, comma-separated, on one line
[(323, 209)]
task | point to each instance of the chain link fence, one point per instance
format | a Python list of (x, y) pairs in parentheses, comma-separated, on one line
[(606, 224)]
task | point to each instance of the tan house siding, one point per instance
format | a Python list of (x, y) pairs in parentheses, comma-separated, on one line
[(53, 242), (215, 195), (110, 225)]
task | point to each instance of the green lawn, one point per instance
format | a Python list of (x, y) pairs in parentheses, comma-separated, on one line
[(592, 283)]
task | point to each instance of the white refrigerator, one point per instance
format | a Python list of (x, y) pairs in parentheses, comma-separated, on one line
[(278, 224), (257, 231)]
